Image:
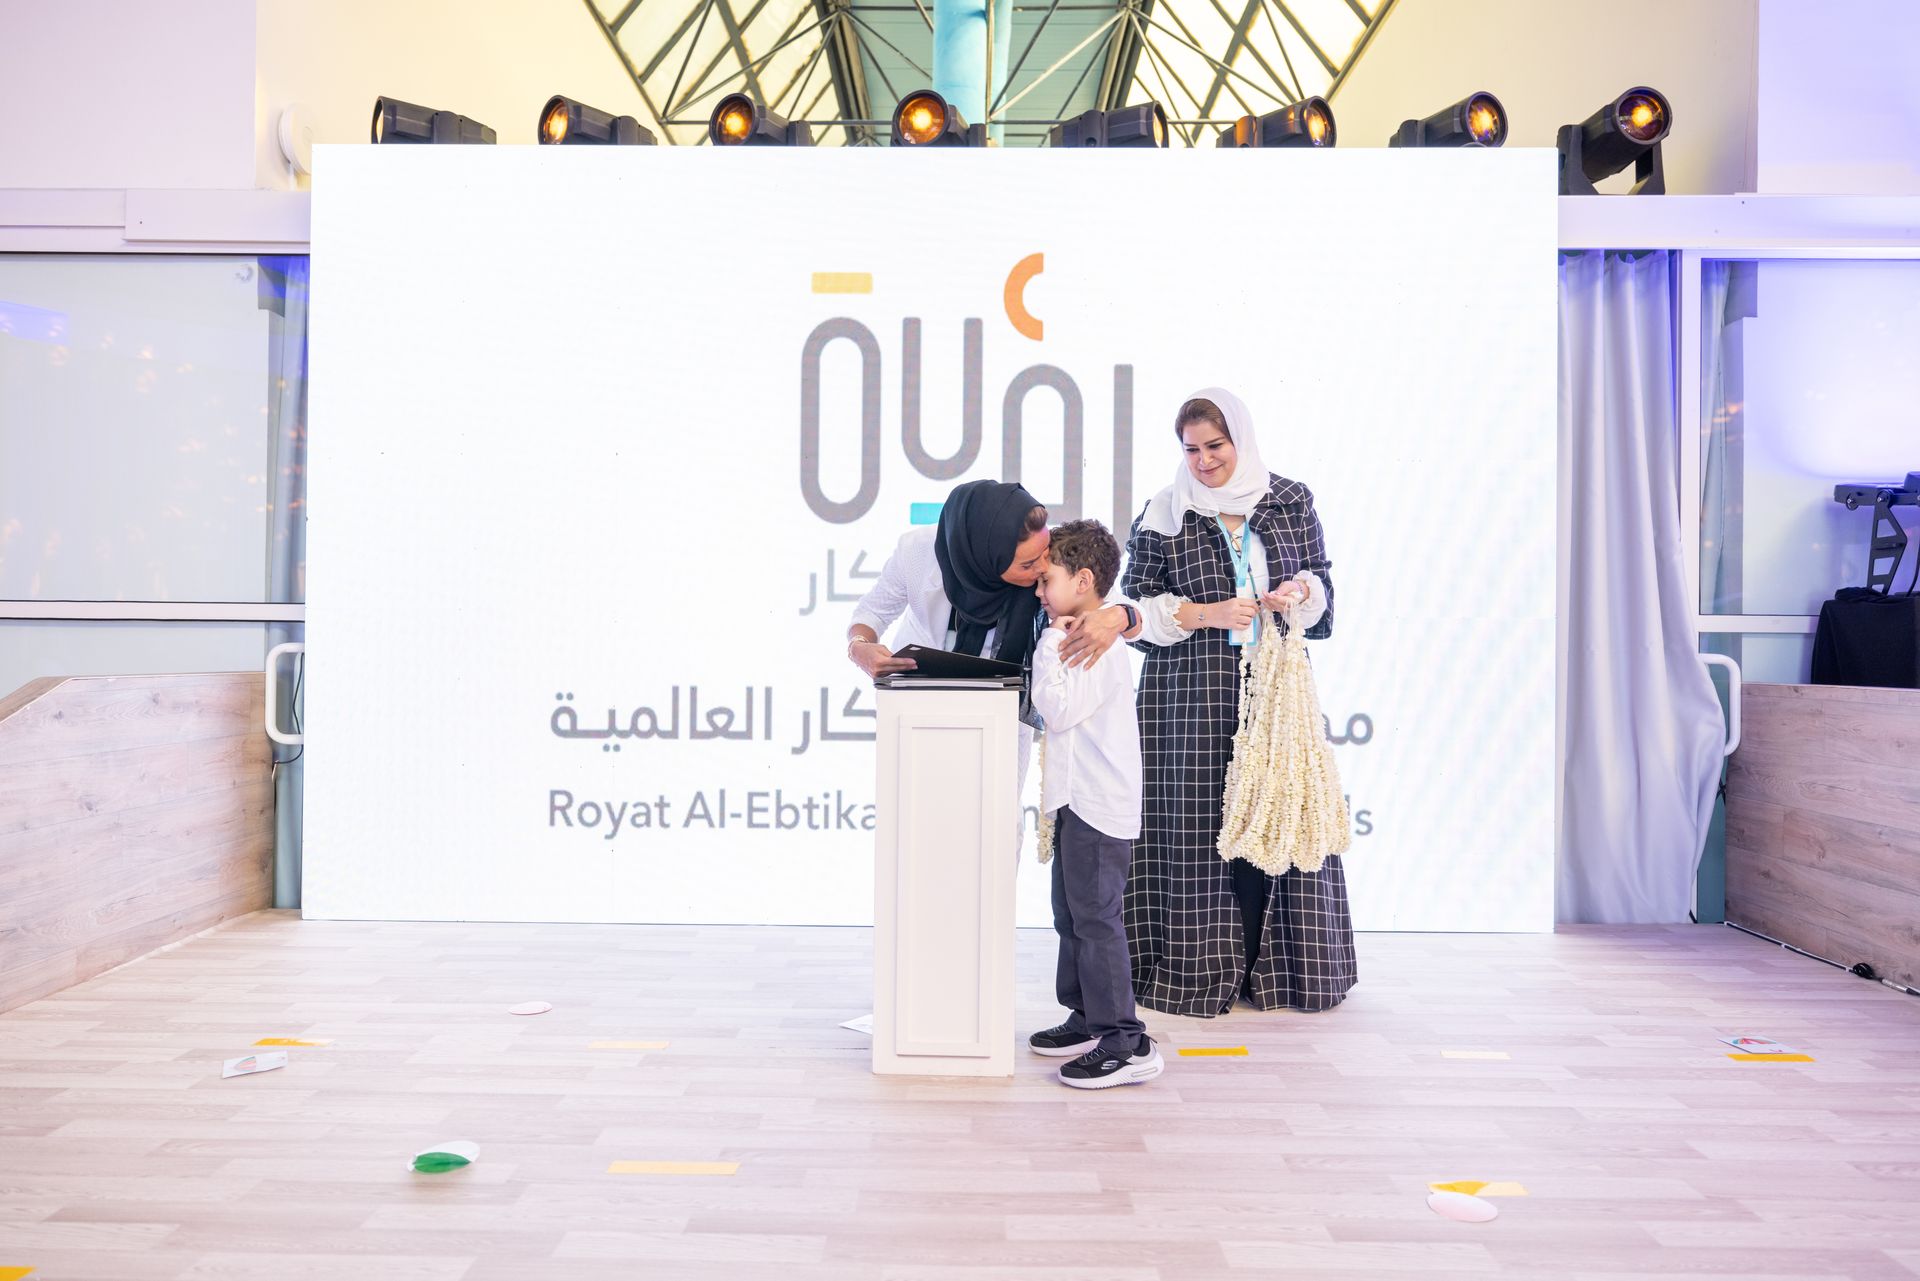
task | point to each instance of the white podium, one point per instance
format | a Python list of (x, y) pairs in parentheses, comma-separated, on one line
[(945, 847)]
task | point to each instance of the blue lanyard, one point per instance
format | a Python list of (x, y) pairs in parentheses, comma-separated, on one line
[(1242, 567)]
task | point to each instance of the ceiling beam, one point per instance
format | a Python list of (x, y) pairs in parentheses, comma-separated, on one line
[(1123, 58), (848, 66)]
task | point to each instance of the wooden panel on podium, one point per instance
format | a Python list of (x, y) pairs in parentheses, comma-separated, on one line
[(1823, 823), (945, 845), (135, 811)]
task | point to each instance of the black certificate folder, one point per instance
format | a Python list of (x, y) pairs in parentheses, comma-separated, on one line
[(942, 664)]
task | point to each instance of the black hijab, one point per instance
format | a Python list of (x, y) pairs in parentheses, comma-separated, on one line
[(981, 525)]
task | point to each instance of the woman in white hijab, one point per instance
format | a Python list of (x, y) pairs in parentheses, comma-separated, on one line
[(1212, 558)]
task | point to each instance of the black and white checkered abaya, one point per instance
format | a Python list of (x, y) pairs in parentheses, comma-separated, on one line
[(1184, 919)]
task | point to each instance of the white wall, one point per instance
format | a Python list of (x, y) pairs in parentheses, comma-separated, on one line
[(126, 94), (1552, 62), (1839, 108), (495, 61), (122, 93)]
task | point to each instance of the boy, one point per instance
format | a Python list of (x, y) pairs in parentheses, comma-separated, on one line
[(1091, 787)]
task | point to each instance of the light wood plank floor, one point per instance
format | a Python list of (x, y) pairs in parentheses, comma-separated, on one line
[(1645, 1151)]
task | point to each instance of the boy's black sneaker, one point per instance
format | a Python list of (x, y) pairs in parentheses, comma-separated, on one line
[(1061, 1042), (1097, 1069)]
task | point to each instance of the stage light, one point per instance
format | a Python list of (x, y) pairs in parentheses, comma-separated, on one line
[(1477, 120), (925, 119), (1626, 131), (739, 121), (1144, 125), (567, 123), (920, 119), (397, 121), (1307, 123)]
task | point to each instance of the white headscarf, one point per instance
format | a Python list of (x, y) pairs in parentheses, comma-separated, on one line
[(1243, 490)]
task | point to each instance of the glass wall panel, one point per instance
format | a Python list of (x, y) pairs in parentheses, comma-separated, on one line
[(1810, 374), (152, 427)]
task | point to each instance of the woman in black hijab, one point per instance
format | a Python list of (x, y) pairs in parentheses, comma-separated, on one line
[(990, 585), (967, 585)]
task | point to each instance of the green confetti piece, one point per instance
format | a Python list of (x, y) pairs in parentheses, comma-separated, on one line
[(438, 1162), (448, 1156)]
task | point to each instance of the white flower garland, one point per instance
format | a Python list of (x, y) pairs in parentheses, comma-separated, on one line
[(1043, 826), (1283, 807)]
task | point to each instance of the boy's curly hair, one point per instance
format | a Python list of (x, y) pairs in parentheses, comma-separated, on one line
[(1086, 544)]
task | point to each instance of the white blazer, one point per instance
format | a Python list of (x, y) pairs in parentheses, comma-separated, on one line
[(910, 592)]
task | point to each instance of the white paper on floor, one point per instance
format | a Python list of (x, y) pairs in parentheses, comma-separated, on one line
[(1462, 1208), (254, 1063), (529, 1007), (862, 1024), (1757, 1045)]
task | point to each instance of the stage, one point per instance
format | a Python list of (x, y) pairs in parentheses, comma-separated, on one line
[(1642, 1148)]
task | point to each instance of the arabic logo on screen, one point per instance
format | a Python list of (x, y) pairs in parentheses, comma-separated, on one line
[(1067, 502)]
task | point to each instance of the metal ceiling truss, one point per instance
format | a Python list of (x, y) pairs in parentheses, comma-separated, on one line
[(828, 62)]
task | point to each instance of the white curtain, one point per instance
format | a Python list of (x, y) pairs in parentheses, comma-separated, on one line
[(1642, 721)]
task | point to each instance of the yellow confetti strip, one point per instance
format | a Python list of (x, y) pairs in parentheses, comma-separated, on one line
[(674, 1167), (13, 1274), (1476, 1054), (1221, 1052), (1771, 1058), (628, 1045), (1473, 1187), (288, 1040), (843, 282)]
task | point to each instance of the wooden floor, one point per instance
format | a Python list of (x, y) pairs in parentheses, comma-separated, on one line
[(1644, 1150)]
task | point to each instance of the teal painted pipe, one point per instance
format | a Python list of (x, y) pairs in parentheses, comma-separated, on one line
[(960, 54)]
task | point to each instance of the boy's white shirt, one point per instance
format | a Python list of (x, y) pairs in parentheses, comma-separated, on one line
[(1093, 737)]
